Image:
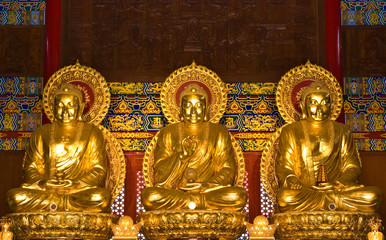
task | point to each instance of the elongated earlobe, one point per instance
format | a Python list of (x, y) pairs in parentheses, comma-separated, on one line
[(206, 109), (80, 111), (304, 111)]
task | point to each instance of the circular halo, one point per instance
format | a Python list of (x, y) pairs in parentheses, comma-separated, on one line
[(267, 165), (96, 93), (291, 85), (116, 162), (202, 76), (148, 162)]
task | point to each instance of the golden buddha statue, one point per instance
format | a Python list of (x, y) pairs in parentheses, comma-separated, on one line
[(318, 166), (194, 161), (65, 166), (193, 168), (310, 167)]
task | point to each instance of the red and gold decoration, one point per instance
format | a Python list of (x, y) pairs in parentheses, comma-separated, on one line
[(91, 83), (291, 85), (200, 75)]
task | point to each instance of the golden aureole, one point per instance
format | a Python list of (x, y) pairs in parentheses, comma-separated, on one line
[(73, 168), (310, 168), (193, 168)]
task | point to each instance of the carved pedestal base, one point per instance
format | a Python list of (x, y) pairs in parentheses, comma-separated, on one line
[(322, 225), (69, 225), (192, 224)]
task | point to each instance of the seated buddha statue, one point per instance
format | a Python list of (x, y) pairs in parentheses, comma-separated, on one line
[(65, 166), (318, 166), (194, 163)]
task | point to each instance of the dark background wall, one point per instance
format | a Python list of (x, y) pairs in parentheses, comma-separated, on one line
[(146, 40)]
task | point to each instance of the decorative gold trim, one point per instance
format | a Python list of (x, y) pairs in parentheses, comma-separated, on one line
[(322, 225), (69, 225), (148, 162), (301, 74), (192, 224), (240, 162), (267, 165), (195, 74), (78, 74), (117, 163)]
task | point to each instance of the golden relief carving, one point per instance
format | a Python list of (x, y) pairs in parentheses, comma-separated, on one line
[(323, 225), (185, 224), (72, 225)]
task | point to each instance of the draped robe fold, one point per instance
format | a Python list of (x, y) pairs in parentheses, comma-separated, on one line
[(84, 164), (214, 163)]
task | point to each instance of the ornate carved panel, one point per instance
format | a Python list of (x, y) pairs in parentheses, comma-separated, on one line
[(22, 51), (364, 51), (137, 40)]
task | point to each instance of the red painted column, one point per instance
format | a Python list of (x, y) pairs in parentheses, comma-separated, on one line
[(52, 57), (53, 24), (333, 42), (333, 38), (252, 166), (133, 165)]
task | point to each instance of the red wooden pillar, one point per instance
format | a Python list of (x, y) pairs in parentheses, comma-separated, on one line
[(333, 42), (53, 25), (252, 166), (133, 165), (333, 38), (52, 57)]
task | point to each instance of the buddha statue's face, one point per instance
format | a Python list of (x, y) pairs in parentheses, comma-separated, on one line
[(318, 106), (66, 108), (193, 108)]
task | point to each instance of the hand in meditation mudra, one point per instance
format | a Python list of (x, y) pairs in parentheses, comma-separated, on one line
[(65, 165), (194, 162), (317, 142)]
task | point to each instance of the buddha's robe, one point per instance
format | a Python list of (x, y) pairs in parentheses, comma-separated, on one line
[(300, 158), (84, 164), (214, 163)]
